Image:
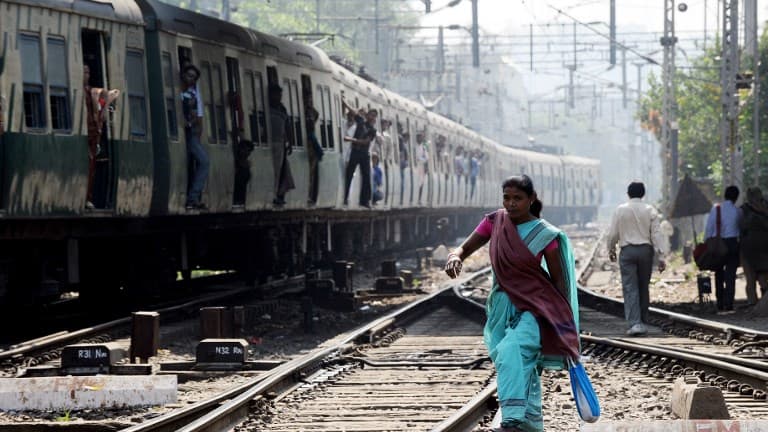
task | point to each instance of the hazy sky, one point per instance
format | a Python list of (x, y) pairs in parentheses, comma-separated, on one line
[(516, 15), (645, 16)]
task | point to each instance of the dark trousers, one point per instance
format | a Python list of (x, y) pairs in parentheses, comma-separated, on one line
[(725, 277), (314, 184), (362, 158), (636, 265), (402, 185)]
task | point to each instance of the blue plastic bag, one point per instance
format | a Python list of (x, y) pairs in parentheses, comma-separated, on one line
[(583, 393)]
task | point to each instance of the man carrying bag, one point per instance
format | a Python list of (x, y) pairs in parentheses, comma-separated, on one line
[(710, 255), (721, 253)]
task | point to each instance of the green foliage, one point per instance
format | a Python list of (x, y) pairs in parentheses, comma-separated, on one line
[(699, 113), (351, 22), (64, 418)]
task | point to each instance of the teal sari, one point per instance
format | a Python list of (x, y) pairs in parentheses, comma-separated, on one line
[(513, 337)]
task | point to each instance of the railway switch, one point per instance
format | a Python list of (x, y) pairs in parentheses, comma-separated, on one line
[(342, 275), (225, 353), (389, 268), (145, 335), (389, 284), (320, 289), (216, 322), (90, 359)]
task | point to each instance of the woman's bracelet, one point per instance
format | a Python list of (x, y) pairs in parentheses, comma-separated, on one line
[(453, 254)]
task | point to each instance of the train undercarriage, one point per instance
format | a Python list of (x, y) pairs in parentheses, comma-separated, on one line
[(109, 259)]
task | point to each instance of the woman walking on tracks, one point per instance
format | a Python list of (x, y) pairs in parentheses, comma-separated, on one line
[(532, 311)]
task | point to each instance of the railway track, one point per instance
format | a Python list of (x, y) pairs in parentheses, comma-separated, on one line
[(387, 369), (423, 367), (47, 348)]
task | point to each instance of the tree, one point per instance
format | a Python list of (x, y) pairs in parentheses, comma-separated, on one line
[(699, 112), (349, 21)]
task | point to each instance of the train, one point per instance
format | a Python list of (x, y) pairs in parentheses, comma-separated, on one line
[(138, 235)]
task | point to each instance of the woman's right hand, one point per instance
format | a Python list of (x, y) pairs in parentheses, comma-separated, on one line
[(453, 266)]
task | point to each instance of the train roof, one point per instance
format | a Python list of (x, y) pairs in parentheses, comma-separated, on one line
[(118, 10), (532, 155), (579, 160), (166, 17)]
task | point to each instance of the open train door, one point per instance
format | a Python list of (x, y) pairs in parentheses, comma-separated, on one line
[(241, 147), (104, 177), (3, 107)]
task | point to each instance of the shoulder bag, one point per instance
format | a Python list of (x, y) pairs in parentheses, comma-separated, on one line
[(710, 255), (587, 403)]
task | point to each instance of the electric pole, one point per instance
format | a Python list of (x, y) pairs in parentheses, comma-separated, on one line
[(440, 51), (751, 43), (624, 76), (729, 146), (475, 36), (612, 30), (669, 126), (226, 10), (571, 71)]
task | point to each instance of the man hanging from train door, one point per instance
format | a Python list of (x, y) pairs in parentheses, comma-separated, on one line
[(314, 149), (97, 102), (281, 147), (192, 107)]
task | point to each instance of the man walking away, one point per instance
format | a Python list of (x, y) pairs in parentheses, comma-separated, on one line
[(730, 218), (192, 106), (635, 227)]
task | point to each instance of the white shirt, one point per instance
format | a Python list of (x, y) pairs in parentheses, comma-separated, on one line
[(635, 223)]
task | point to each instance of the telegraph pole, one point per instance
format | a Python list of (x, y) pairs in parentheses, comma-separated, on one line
[(613, 32), (440, 51), (729, 146), (531, 45), (668, 110), (751, 42), (475, 36), (624, 76), (226, 10), (571, 71)]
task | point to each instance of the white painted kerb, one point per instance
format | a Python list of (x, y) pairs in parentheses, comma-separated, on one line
[(79, 392), (678, 426)]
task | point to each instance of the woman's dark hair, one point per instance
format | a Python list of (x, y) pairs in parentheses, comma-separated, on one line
[(525, 184)]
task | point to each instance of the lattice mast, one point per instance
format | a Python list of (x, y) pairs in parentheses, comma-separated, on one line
[(669, 106), (730, 148)]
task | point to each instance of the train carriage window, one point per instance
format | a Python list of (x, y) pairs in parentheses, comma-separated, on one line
[(31, 70), (256, 116), (261, 106), (319, 103), (185, 55), (297, 114), (58, 85), (204, 84), (169, 95), (217, 87), (337, 104), (248, 101), (329, 118), (288, 92), (134, 73)]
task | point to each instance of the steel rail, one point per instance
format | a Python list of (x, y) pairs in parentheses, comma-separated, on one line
[(756, 378), (62, 338), (232, 408)]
